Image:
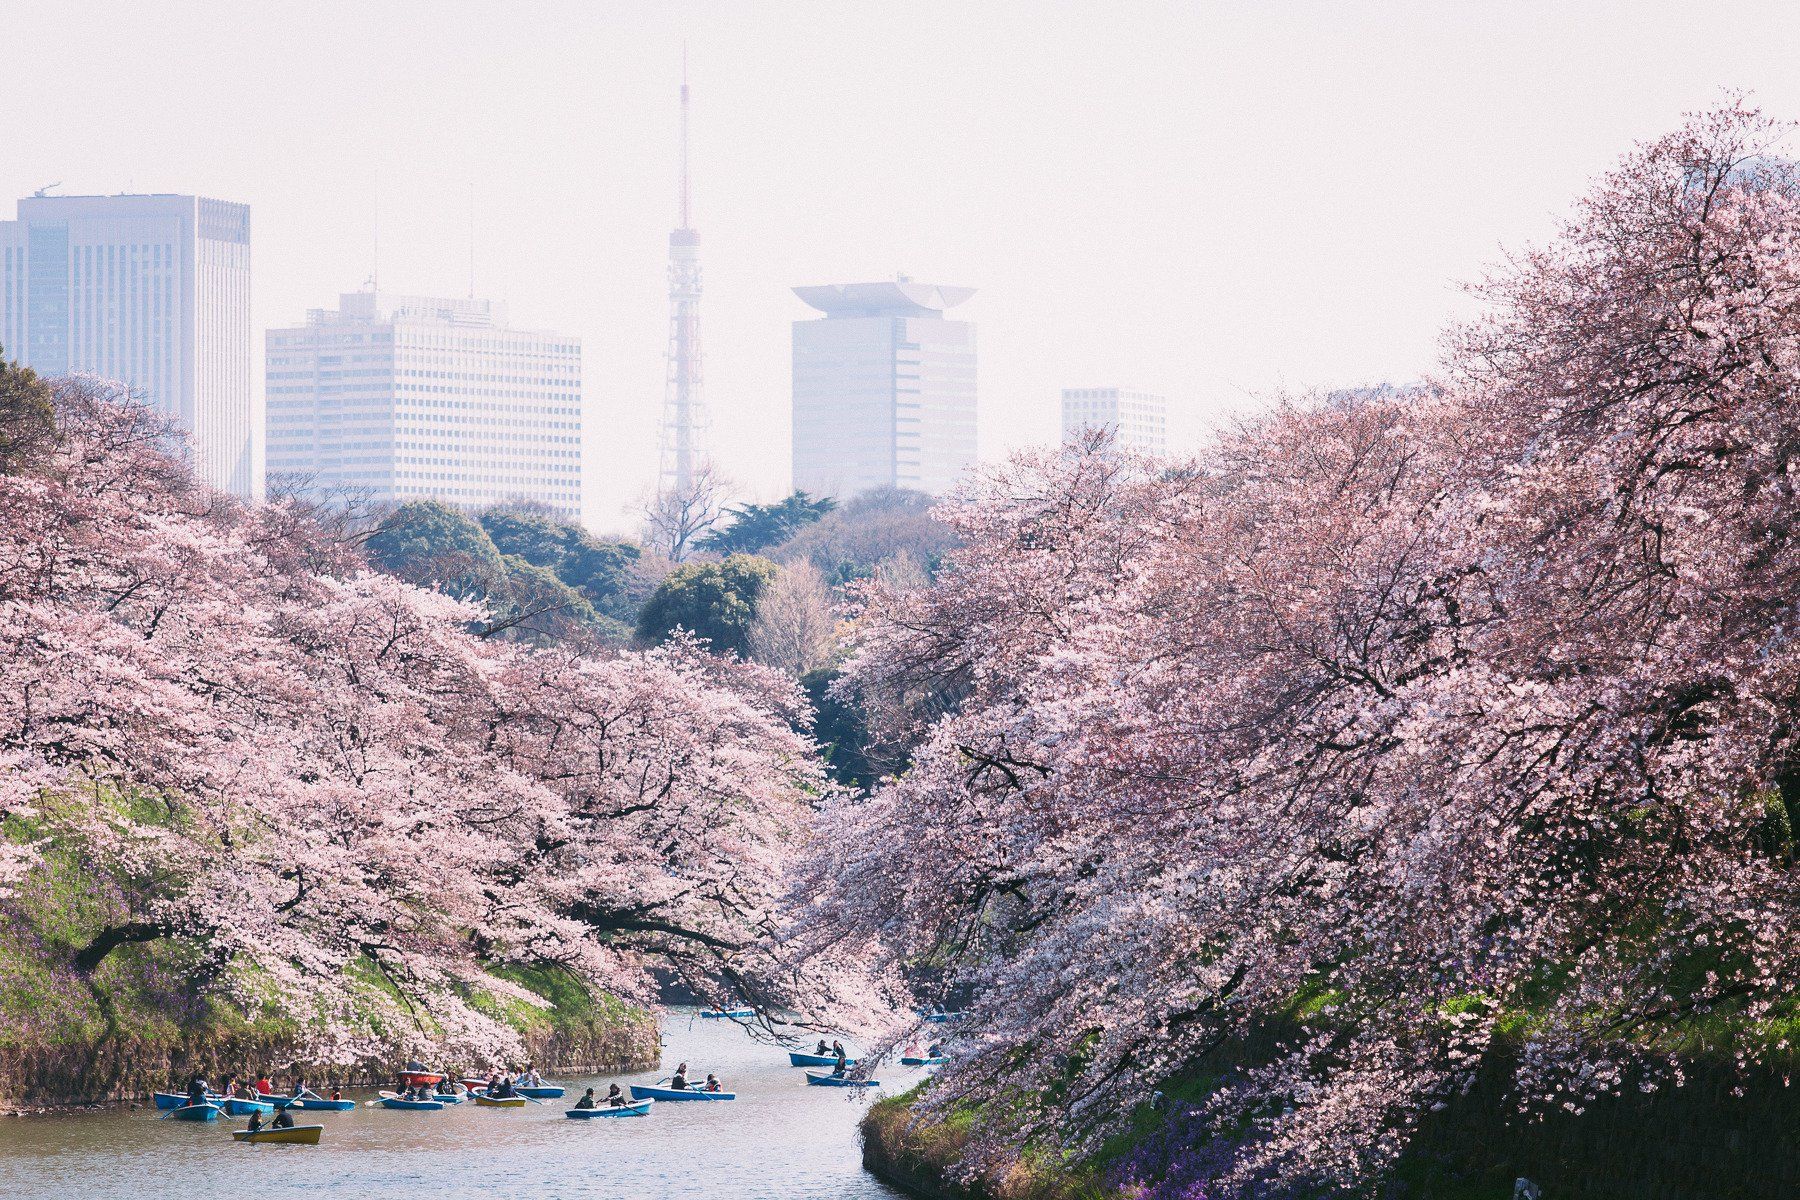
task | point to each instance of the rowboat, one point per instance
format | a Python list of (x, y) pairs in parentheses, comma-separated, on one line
[(913, 1060), (196, 1112), (641, 1091), (818, 1080), (941, 1017), (487, 1101), (472, 1082), (421, 1078), (312, 1103), (238, 1106), (540, 1091), (797, 1059), (296, 1135), (640, 1109), (719, 1014), (179, 1099), (392, 1100), (448, 1097)]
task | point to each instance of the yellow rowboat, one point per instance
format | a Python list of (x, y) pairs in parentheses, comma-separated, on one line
[(298, 1135), (500, 1101)]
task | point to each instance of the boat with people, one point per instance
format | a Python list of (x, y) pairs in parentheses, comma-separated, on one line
[(487, 1101), (914, 1060), (196, 1112), (820, 1079), (656, 1091), (720, 1014), (396, 1101), (167, 1100), (293, 1135), (640, 1108), (798, 1058), (311, 1103)]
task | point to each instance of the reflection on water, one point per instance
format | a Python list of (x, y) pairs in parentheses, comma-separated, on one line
[(780, 1138)]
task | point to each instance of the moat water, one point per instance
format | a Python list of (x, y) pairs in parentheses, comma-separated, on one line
[(779, 1139)]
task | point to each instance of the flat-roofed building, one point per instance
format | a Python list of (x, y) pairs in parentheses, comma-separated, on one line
[(414, 397), (151, 291), (1138, 420)]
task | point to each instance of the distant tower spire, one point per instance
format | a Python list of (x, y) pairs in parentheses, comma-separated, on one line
[(684, 419)]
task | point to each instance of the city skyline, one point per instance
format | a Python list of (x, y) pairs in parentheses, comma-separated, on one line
[(1151, 194)]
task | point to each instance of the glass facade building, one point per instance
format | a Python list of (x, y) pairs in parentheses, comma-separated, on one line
[(151, 291), (412, 397), (884, 389)]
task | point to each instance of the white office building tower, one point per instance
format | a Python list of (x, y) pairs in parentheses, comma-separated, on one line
[(884, 389), (1139, 420), (151, 291), (404, 398)]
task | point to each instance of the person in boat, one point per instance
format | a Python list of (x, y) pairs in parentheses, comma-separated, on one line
[(837, 1048), (679, 1082), (935, 1050), (531, 1078), (843, 1060), (263, 1086), (614, 1097), (255, 1120), (337, 1093), (493, 1084), (197, 1090), (712, 1083), (300, 1088), (445, 1087), (822, 1050), (283, 1120), (506, 1088), (587, 1100)]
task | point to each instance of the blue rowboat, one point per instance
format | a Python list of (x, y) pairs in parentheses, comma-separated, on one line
[(390, 1100), (719, 1014), (541, 1092), (817, 1080), (797, 1059), (313, 1104), (167, 1100), (913, 1060), (196, 1112), (941, 1017), (641, 1092), (640, 1109), (237, 1106), (448, 1097)]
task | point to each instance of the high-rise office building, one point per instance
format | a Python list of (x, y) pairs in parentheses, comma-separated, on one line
[(884, 389), (411, 398), (1139, 420), (153, 291)]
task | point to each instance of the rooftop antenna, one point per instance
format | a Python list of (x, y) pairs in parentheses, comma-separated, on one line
[(686, 218), (375, 276), (45, 190), (471, 239)]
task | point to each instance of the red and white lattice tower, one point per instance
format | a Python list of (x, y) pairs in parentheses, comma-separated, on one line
[(684, 419)]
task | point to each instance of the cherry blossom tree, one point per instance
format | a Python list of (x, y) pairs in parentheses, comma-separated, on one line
[(1422, 731), (320, 775)]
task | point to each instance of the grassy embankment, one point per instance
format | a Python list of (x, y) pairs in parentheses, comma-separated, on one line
[(138, 1022)]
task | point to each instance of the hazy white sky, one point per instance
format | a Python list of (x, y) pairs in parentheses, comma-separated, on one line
[(1208, 199)]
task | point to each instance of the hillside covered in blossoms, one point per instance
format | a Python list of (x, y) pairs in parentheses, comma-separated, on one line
[(1409, 735), (247, 779)]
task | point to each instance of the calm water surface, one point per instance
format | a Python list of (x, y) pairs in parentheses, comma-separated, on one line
[(780, 1138)]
